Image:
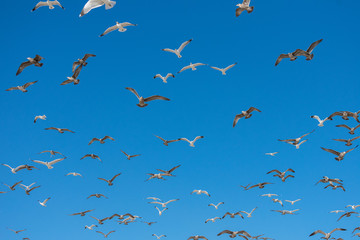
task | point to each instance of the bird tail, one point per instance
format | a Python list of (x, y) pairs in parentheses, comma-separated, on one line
[(111, 4)]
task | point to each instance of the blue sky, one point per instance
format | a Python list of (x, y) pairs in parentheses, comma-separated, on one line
[(203, 102)]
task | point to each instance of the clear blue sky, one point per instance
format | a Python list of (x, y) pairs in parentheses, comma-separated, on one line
[(202, 103)]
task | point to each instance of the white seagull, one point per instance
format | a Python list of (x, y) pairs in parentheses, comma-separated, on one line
[(178, 51), (42, 117), (216, 206), (90, 227), (249, 214), (74, 174), (118, 26), (161, 211), (272, 154), (321, 122), (292, 202), (49, 3), (244, 6), (49, 164), (164, 79), (44, 202), (269, 195), (192, 66), (198, 192), (193, 141), (223, 70), (91, 4)]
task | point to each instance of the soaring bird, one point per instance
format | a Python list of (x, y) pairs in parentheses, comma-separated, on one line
[(337, 211), (250, 213), (340, 155), (28, 189), (12, 187), (275, 200), (327, 235), (244, 6), (101, 140), (52, 152), (43, 203), (334, 187), (351, 129), (91, 4), (272, 154), (161, 211), (193, 141), (168, 172), (90, 227), (282, 174), (217, 205), (49, 164), (21, 88), (345, 115), (142, 100), (156, 175), (100, 221), (18, 168), (42, 117), (74, 78), (129, 156), (247, 114), (224, 70), (97, 195), (30, 61), (164, 204), (178, 51), (259, 185), (118, 26), (191, 66), (82, 61), (105, 235), (347, 214), (198, 192), (212, 219), (75, 174), (110, 182), (17, 231), (82, 214), (326, 179), (293, 56), (269, 195), (196, 237), (166, 142), (295, 141), (164, 79), (321, 121), (233, 234), (158, 237), (353, 207), (149, 223), (347, 141), (48, 3), (60, 130), (308, 53), (292, 202), (232, 215), (284, 212), (93, 156)]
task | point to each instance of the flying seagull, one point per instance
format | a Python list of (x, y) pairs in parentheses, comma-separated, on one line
[(30, 61), (42, 117), (21, 88), (284, 212), (90, 227), (337, 211), (216, 206), (233, 234), (353, 207), (110, 182), (28, 189), (142, 101), (295, 141), (18, 168), (293, 56), (247, 114), (52, 152), (193, 141), (156, 175), (198, 192), (347, 141), (82, 214), (351, 129), (197, 237), (60, 130), (49, 3), (244, 6), (93, 156), (327, 235), (272, 154), (49, 164), (212, 219), (259, 185), (100, 221), (91, 4), (82, 62), (166, 142), (74, 78), (345, 115), (73, 174), (292, 202), (161, 211), (232, 215), (192, 66), (101, 140), (149, 223), (340, 155), (269, 195), (321, 121), (97, 195), (308, 53), (164, 79), (12, 188), (168, 173), (250, 213), (275, 200), (282, 174), (223, 70), (163, 204), (44, 202), (118, 26), (18, 231), (105, 235), (158, 237), (178, 51), (130, 156)]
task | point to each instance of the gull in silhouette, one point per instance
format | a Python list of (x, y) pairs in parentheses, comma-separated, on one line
[(82, 214), (233, 234), (43, 203), (30, 61), (340, 155), (17, 231), (191, 66), (347, 141), (81, 62), (178, 51), (196, 237), (212, 219), (60, 130), (129, 156), (21, 88), (49, 164), (321, 121), (250, 213), (110, 182), (351, 129), (166, 142), (105, 235), (224, 70), (345, 115), (217, 205), (91, 4), (118, 26), (164, 79), (247, 114), (232, 215), (74, 78), (244, 6), (48, 3), (93, 156), (142, 101), (198, 192), (101, 140), (193, 141), (97, 195), (327, 235), (42, 117), (52, 152)]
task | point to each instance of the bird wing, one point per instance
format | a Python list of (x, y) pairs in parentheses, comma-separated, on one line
[(155, 97), (12, 88), (239, 11), (110, 29), (124, 153), (340, 140), (197, 138), (91, 4), (170, 75), (108, 137), (57, 160), (103, 179), (307, 134), (168, 50), (77, 72), (316, 232), (171, 170), (113, 178), (316, 117), (216, 68), (39, 4), (236, 119), (281, 57), (93, 140), (230, 66), (67, 130), (101, 233), (126, 24), (86, 56), (345, 126), (41, 162), (109, 233), (331, 151), (351, 149), (133, 91), (29, 84), (46, 200), (275, 170), (251, 109), (313, 45), (23, 66), (225, 231), (184, 44), (184, 68)]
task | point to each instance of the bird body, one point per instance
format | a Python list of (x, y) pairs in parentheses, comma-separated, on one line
[(198, 192), (191, 143), (118, 26), (101, 140), (42, 117), (164, 79), (191, 66), (224, 70), (321, 121), (179, 50), (142, 100), (217, 205)]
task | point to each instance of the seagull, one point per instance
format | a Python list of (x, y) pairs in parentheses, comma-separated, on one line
[(60, 130), (110, 182), (345, 115), (30, 61), (192, 66), (42, 117), (142, 101), (122, 216), (158, 237), (293, 56), (193, 141), (259, 185), (154, 198), (105, 235), (298, 145), (216, 206), (166, 142), (156, 175), (18, 168), (275, 200), (337, 211), (340, 155), (197, 237), (178, 51), (212, 219), (334, 187), (118, 26), (160, 211), (163, 204), (351, 130), (49, 164), (326, 179), (82, 62), (90, 227), (97, 195), (198, 192), (353, 207), (100, 221), (168, 173), (28, 189), (292, 202), (247, 114), (82, 214), (91, 4), (49, 3), (272, 154), (74, 78), (321, 122), (101, 140), (52, 152), (18, 231), (223, 70), (282, 174), (269, 195), (295, 141), (244, 6), (233, 234), (129, 156), (327, 235), (44, 202), (308, 53), (21, 88), (164, 79), (93, 156), (149, 223), (249, 214), (232, 215), (74, 174), (12, 188), (284, 212), (347, 141)]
